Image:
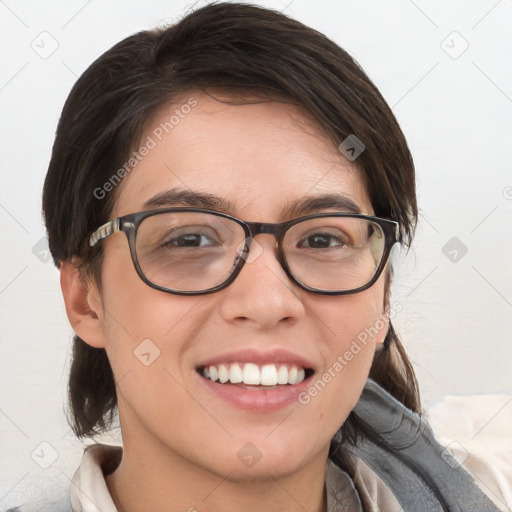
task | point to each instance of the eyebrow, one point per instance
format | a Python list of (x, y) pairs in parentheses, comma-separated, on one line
[(296, 208)]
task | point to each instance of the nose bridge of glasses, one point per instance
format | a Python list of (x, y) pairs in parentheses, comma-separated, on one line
[(261, 228), (264, 228)]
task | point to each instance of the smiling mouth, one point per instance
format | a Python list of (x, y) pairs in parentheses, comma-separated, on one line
[(255, 376)]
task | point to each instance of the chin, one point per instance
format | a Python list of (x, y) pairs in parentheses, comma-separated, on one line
[(263, 470)]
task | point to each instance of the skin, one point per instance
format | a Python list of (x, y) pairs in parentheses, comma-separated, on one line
[(180, 441)]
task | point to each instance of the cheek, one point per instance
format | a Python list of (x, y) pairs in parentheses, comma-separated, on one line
[(142, 324), (352, 320), (147, 333), (351, 326)]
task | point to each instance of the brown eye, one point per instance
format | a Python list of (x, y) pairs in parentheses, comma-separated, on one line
[(189, 240), (323, 241)]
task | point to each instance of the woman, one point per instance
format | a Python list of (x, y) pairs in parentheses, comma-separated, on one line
[(241, 324)]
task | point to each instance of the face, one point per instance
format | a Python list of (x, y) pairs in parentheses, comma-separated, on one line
[(259, 157)]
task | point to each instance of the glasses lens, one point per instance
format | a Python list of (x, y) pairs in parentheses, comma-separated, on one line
[(334, 253), (188, 251)]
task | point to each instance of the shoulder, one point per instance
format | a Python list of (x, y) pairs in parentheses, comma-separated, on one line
[(477, 432), (417, 457)]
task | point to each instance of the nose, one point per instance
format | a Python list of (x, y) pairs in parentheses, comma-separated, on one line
[(262, 293)]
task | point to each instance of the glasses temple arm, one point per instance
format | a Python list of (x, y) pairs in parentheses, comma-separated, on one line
[(105, 231)]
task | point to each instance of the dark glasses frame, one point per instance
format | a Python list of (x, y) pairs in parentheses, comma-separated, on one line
[(130, 223)]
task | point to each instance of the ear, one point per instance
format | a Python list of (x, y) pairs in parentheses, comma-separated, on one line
[(82, 305)]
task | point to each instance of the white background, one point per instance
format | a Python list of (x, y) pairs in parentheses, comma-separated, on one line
[(454, 106)]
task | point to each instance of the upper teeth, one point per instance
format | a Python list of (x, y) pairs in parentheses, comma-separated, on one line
[(252, 374)]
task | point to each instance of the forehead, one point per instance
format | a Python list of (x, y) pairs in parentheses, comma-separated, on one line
[(259, 158)]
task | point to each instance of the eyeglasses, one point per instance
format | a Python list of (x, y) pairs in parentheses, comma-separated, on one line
[(191, 251)]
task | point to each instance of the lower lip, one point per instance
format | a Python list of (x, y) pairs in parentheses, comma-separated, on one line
[(257, 399)]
